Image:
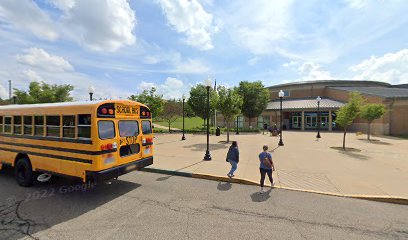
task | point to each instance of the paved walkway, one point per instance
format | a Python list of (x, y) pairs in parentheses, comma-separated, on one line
[(165, 128), (380, 169)]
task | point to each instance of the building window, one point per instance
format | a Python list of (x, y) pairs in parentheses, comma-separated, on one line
[(17, 125), (28, 125), (84, 126), (286, 93), (7, 124), (39, 125), (53, 126), (240, 122), (68, 126)]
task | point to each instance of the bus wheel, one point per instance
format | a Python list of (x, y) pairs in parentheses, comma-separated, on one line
[(23, 172)]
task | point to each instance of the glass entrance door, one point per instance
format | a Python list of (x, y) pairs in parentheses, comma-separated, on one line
[(324, 122), (311, 122), (296, 122)]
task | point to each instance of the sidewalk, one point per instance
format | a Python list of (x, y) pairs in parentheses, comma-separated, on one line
[(379, 170)]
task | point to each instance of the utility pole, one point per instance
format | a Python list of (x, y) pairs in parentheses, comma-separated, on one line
[(9, 89)]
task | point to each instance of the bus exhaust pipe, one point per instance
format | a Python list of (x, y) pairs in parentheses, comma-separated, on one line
[(45, 177)]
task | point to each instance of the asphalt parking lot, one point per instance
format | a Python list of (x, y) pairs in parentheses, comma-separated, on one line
[(144, 205)]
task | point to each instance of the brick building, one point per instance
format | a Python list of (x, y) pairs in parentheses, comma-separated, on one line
[(300, 106)]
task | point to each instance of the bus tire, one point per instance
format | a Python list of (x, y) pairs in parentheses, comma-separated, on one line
[(23, 172)]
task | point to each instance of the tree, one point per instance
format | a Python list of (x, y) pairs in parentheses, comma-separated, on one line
[(154, 101), (255, 98), (171, 111), (349, 112), (198, 101), (229, 104), (44, 93), (370, 112)]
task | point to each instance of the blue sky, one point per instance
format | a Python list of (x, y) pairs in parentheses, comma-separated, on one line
[(123, 47)]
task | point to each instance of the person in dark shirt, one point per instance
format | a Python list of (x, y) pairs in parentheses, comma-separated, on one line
[(266, 166), (233, 158)]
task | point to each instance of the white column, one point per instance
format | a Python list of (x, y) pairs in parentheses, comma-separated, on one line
[(330, 120)]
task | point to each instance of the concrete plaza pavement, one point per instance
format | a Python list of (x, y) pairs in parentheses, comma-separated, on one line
[(380, 169)]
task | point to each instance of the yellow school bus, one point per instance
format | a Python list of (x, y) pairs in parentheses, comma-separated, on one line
[(94, 140)]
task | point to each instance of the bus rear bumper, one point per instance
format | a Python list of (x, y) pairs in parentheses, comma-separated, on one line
[(119, 170)]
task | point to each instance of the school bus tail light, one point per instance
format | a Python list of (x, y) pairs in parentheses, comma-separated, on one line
[(109, 146)]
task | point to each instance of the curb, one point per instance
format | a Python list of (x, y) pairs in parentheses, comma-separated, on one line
[(385, 199), (167, 172)]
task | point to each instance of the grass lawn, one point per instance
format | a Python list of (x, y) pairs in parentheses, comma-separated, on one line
[(189, 123)]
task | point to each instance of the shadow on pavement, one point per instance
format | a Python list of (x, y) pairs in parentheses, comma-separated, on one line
[(355, 155), (202, 147), (224, 186), (26, 211), (261, 196), (375, 141)]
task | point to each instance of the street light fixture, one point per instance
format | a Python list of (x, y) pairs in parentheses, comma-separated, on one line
[(184, 99), (318, 99), (91, 90), (208, 84), (281, 95)]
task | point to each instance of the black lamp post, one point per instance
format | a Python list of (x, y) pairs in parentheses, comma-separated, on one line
[(183, 137), (318, 99), (237, 127), (91, 90), (281, 95), (207, 155)]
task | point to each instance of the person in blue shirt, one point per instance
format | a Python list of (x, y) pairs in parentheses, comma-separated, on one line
[(266, 166), (233, 158)]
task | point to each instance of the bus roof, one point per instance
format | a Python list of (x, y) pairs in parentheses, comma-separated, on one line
[(65, 104)]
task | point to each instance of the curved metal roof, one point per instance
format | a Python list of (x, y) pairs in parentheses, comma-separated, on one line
[(309, 103)]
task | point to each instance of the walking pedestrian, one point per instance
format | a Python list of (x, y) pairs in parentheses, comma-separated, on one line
[(266, 166), (233, 158)]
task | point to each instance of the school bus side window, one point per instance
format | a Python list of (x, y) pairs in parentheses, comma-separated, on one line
[(1, 124), (53, 126), (28, 125), (146, 127), (17, 125), (68, 126), (39, 125), (84, 125), (7, 124), (106, 130)]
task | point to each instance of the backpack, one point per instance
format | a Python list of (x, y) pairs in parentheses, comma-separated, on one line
[(267, 162)]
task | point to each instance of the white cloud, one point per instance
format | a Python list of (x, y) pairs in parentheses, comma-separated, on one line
[(192, 66), (313, 71), (290, 64), (32, 76), (38, 57), (172, 88), (3, 92), (27, 16), (146, 85), (190, 18), (357, 3), (151, 59), (63, 4), (308, 71), (293, 30), (261, 25), (391, 68), (100, 25), (253, 61)]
